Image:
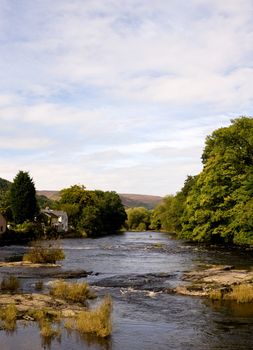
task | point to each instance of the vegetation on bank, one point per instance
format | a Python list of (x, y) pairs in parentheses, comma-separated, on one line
[(96, 321), (61, 308), (74, 292), (216, 205), (41, 253), (90, 213), (95, 213)]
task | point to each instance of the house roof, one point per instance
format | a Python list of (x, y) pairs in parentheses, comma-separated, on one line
[(53, 213)]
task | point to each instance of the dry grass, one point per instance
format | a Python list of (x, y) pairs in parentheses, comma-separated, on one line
[(216, 294), (46, 318), (72, 292), (97, 321), (47, 331), (9, 317), (10, 284), (41, 254), (242, 293)]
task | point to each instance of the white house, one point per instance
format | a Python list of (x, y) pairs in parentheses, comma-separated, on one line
[(57, 219)]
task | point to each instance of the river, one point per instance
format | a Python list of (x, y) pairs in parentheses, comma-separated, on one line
[(137, 269)]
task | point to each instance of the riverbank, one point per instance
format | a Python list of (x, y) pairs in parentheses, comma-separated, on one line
[(212, 280)]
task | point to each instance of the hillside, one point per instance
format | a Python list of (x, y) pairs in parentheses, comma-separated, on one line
[(4, 184), (128, 200), (139, 200)]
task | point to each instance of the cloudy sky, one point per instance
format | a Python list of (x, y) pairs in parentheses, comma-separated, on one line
[(119, 94)]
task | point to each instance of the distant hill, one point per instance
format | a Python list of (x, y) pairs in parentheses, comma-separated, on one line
[(54, 195), (128, 200), (4, 184), (139, 200)]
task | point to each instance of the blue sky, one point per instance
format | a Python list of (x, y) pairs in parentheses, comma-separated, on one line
[(119, 94)]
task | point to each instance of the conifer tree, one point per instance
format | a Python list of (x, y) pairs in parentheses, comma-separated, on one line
[(23, 198)]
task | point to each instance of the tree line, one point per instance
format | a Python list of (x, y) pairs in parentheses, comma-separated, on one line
[(90, 213), (217, 204)]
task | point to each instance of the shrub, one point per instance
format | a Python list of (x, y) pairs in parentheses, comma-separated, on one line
[(41, 254), (72, 292), (10, 284)]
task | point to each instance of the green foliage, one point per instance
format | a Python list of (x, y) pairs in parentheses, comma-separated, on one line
[(219, 205), (23, 198), (5, 207), (167, 215), (138, 219), (95, 212), (4, 185)]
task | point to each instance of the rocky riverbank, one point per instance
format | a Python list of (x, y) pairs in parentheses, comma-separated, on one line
[(204, 281)]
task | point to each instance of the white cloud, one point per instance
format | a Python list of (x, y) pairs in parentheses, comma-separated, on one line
[(109, 93)]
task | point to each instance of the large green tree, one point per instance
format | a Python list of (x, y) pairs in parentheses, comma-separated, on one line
[(23, 198), (219, 205), (95, 212), (167, 215)]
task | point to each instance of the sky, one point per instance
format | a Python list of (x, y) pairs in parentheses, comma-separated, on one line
[(119, 94)]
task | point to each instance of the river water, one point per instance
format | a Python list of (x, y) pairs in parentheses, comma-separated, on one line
[(138, 270)]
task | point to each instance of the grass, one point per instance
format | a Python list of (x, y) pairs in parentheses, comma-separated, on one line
[(72, 292), (41, 254), (9, 317), (10, 284), (241, 293), (47, 331), (216, 294), (97, 321)]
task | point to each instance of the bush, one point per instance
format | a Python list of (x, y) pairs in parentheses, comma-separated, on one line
[(72, 292), (10, 284), (43, 255)]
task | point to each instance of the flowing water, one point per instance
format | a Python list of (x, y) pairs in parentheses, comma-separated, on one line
[(138, 270)]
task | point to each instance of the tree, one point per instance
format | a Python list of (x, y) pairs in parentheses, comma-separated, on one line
[(105, 215), (167, 215), (138, 218), (219, 204), (23, 198), (95, 212), (73, 200)]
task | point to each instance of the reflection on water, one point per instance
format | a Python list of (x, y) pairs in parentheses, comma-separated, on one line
[(137, 269)]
